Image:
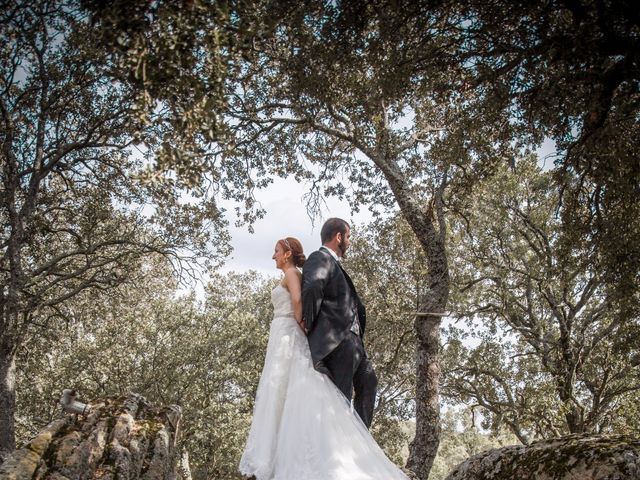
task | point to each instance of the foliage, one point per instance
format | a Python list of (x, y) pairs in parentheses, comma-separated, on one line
[(384, 103), (570, 71), (350, 97), (205, 357), (386, 264), (557, 350), (535, 342), (401, 102), (174, 57)]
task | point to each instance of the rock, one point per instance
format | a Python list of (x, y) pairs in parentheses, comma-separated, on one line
[(124, 438), (575, 457)]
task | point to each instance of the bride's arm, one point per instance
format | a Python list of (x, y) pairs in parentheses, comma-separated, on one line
[(293, 282)]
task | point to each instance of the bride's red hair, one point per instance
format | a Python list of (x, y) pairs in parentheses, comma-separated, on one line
[(293, 245)]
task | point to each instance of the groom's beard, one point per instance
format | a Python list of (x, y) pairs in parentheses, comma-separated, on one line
[(343, 249)]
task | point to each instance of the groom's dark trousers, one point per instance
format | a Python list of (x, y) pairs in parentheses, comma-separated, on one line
[(330, 306)]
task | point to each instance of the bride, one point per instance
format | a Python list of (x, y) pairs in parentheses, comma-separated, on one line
[(303, 427)]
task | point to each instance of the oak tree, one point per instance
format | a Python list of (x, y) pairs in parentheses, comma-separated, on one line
[(75, 214), (555, 350)]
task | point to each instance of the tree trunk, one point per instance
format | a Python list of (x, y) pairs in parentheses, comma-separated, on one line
[(122, 438), (424, 447), (7, 401)]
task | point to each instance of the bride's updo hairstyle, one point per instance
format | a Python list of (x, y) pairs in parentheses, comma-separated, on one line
[(293, 245)]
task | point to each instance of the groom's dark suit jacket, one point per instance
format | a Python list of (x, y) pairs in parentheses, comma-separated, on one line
[(329, 304)]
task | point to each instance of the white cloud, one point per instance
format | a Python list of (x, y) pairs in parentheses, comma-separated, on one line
[(286, 217)]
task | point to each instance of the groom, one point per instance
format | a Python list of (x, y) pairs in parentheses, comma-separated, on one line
[(335, 320)]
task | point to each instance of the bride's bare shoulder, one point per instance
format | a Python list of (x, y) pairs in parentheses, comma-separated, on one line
[(291, 275)]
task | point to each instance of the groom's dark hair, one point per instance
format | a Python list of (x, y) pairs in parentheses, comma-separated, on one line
[(331, 227)]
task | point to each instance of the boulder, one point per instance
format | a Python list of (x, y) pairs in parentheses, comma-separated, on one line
[(120, 438), (574, 457)]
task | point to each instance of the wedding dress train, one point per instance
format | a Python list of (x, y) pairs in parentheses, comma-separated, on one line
[(303, 427)]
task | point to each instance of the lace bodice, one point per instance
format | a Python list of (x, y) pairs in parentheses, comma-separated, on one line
[(281, 300)]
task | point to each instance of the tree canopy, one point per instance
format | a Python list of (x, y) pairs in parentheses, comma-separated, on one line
[(570, 71), (557, 351)]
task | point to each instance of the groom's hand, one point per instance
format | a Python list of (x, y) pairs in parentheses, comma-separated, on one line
[(302, 326), (304, 329)]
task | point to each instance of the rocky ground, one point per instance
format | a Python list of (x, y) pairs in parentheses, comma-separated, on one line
[(577, 457), (120, 438)]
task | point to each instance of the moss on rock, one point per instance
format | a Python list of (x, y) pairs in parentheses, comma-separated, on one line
[(584, 457)]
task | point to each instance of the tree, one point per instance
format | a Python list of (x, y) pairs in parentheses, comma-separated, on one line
[(570, 71), (174, 57), (358, 92), (462, 439), (557, 351), (387, 265), (74, 217), (336, 80), (205, 356)]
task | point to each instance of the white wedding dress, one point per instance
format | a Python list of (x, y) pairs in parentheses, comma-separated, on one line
[(303, 427)]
